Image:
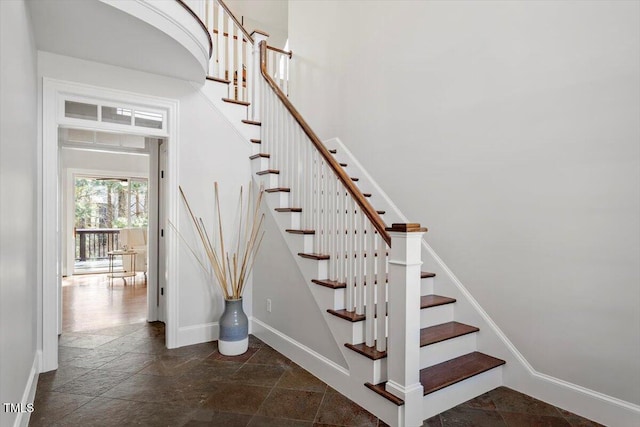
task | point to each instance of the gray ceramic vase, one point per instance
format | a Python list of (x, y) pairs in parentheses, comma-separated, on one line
[(234, 329)]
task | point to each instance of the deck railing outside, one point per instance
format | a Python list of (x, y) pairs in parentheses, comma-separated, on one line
[(95, 243)]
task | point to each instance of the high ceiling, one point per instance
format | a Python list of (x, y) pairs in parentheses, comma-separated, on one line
[(93, 30)]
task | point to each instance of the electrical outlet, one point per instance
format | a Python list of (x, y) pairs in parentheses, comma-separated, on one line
[(268, 305)]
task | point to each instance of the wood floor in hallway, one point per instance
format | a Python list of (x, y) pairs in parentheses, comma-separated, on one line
[(93, 301)]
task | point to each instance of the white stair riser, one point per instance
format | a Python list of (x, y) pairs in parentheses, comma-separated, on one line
[(315, 268), (372, 371), (215, 91), (234, 112), (327, 297), (441, 400), (436, 315), (269, 180), (279, 199), (344, 330), (259, 164), (426, 286), (446, 350), (249, 131)]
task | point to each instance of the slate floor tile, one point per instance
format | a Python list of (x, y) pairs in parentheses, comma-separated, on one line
[(49, 407), (239, 398), (125, 376), (337, 409), (93, 383)]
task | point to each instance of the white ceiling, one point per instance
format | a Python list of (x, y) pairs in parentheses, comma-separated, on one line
[(92, 30)]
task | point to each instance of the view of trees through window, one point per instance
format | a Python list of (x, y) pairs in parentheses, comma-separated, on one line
[(111, 203)]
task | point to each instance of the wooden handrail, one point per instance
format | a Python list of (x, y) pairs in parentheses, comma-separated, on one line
[(368, 210), (285, 52), (204, 27), (224, 6)]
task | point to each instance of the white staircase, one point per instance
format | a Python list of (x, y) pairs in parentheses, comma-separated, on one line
[(407, 356)]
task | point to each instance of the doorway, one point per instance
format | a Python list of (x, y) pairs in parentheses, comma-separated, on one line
[(113, 112), (106, 215)]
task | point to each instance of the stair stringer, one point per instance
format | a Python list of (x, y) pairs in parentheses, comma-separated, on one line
[(360, 368), (214, 92)]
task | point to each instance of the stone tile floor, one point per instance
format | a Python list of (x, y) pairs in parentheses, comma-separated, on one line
[(124, 376)]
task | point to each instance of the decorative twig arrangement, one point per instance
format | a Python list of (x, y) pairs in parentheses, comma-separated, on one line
[(232, 268)]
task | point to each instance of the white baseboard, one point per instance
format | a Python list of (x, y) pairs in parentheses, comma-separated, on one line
[(299, 353), (588, 403), (22, 420), (196, 334)]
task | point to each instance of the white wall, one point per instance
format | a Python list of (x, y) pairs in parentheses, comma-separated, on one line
[(210, 149), (269, 16), (511, 130), (18, 185), (294, 310)]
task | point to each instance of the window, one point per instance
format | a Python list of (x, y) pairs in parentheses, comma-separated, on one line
[(80, 110)]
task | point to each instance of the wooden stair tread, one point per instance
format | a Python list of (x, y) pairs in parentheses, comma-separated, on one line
[(367, 351), (260, 156), (289, 210), (329, 284), (452, 371), (292, 231), (252, 122), (428, 336), (278, 190), (217, 79), (313, 256), (236, 101), (344, 165), (323, 256), (268, 171), (351, 316), (333, 151), (380, 389), (256, 141), (444, 374), (427, 301), (426, 274), (444, 331), (366, 194), (354, 179)]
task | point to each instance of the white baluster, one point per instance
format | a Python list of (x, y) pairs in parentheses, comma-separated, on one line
[(251, 86), (342, 209), (333, 213), (381, 295), (221, 54), (239, 63), (231, 59), (370, 321), (360, 262), (210, 24)]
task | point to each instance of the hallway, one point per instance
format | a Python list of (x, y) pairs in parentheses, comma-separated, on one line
[(91, 301)]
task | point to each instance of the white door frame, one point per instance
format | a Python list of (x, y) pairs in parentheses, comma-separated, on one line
[(49, 238)]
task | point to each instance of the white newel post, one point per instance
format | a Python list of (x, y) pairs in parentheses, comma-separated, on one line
[(258, 36), (403, 343)]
